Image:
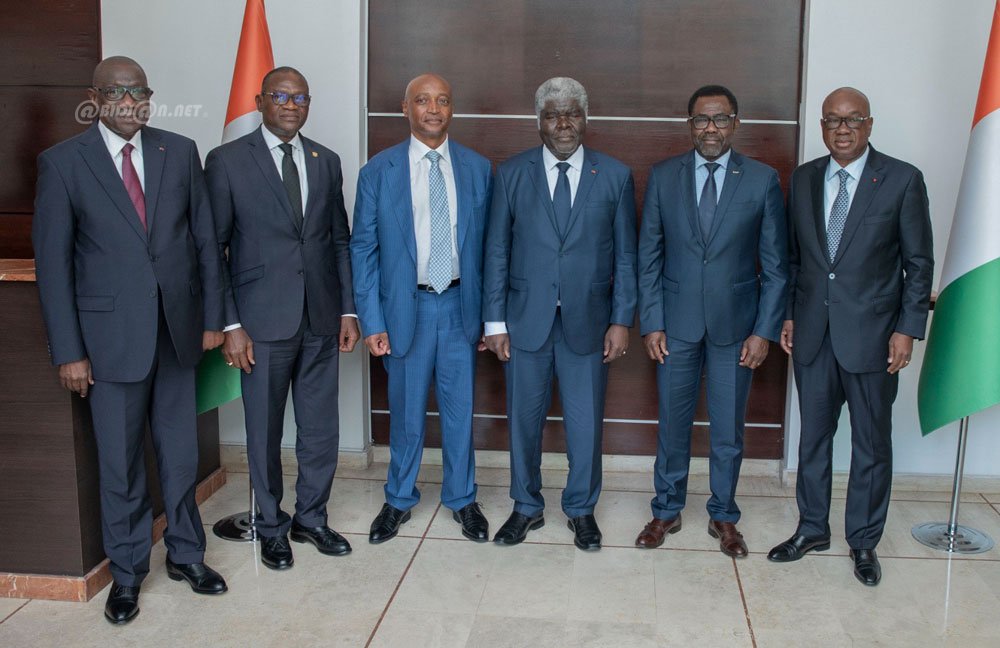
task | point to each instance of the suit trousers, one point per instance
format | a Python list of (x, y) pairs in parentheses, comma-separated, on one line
[(440, 353), (824, 386), (727, 386), (165, 399), (582, 383), (310, 364)]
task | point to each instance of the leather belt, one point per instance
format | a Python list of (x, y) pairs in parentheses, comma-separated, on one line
[(430, 289)]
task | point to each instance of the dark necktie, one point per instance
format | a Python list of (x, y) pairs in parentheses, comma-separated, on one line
[(132, 184), (838, 215), (561, 202), (709, 201), (290, 178)]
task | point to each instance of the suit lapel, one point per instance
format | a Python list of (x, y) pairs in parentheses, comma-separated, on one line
[(463, 190), (818, 209), (588, 174), (734, 173), (95, 154), (153, 159), (398, 177), (262, 156), (313, 177), (541, 183), (688, 200), (868, 183)]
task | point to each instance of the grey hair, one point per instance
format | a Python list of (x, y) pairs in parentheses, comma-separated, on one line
[(560, 89)]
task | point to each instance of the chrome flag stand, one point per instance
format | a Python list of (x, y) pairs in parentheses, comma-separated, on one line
[(950, 536), (239, 527)]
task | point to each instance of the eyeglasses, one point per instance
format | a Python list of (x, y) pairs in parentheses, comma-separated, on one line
[(700, 122), (117, 92), (281, 98), (833, 123)]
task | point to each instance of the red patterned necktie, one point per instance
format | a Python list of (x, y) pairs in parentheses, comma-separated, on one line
[(132, 184)]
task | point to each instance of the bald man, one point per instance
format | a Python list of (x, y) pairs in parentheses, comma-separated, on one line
[(417, 253), (861, 266), (129, 277)]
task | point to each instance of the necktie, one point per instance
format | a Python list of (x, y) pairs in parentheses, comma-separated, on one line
[(561, 202), (838, 216), (290, 178), (709, 201), (132, 184), (439, 263)]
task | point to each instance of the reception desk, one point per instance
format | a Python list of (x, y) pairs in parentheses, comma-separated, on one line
[(50, 527)]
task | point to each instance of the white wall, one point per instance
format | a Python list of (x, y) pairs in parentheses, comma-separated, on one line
[(188, 48), (920, 64)]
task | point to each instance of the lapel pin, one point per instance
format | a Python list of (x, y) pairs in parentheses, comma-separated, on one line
[(735, 172), (593, 171), (315, 154), (874, 179), (163, 148)]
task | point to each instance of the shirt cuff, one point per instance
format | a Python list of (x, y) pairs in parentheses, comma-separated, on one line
[(354, 315), (494, 328), (232, 327)]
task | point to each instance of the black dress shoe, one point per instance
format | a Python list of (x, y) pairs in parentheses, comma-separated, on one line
[(122, 605), (276, 553), (474, 524), (516, 528), (586, 534), (202, 578), (327, 540), (866, 566), (796, 547), (385, 526)]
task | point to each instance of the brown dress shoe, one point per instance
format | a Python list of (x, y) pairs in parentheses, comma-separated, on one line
[(656, 530), (730, 540)]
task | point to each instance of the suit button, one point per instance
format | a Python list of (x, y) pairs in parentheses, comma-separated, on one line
[(300, 272), (833, 275), (152, 293), (826, 302), (704, 262), (154, 258), (302, 241)]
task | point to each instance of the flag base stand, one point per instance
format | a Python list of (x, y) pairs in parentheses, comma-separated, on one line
[(239, 527), (950, 536)]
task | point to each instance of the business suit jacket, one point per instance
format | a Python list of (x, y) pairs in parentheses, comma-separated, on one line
[(688, 286), (274, 268), (529, 266), (101, 275), (384, 246), (880, 279)]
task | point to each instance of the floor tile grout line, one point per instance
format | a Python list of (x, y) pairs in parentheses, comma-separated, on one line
[(743, 598), (20, 607), (402, 577)]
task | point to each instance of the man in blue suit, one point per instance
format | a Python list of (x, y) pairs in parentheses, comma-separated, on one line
[(279, 209), (417, 250), (711, 218), (559, 296), (128, 274)]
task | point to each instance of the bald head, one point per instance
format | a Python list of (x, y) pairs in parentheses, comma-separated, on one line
[(846, 124), (849, 94), (427, 105), (112, 68), (122, 113)]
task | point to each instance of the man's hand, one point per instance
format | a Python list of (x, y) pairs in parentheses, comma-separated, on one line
[(378, 344), (212, 339), (900, 351), (349, 334), (76, 376), (754, 351), (500, 345), (787, 333), (656, 346), (238, 350), (615, 342)]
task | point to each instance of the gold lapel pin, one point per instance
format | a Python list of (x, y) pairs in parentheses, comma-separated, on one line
[(315, 154)]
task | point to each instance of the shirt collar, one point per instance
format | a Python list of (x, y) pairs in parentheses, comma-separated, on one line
[(722, 160), (115, 142), (273, 141), (853, 169), (418, 150), (575, 160)]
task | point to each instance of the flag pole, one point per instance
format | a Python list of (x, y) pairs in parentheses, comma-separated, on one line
[(240, 527), (950, 536)]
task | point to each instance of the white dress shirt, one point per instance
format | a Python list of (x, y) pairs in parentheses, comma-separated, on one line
[(832, 183), (298, 155), (116, 143), (701, 174), (420, 193)]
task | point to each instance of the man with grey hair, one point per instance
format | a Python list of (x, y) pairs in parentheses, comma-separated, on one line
[(559, 293)]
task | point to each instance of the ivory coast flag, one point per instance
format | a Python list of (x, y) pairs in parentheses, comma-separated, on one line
[(254, 59), (961, 370)]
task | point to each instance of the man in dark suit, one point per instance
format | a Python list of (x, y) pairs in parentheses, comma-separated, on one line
[(128, 272), (559, 296), (279, 209), (419, 219), (711, 218), (861, 265)]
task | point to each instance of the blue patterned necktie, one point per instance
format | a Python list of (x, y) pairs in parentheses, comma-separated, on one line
[(838, 216), (561, 199), (439, 263), (709, 201)]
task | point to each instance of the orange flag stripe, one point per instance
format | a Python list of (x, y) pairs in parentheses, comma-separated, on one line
[(989, 87), (253, 60)]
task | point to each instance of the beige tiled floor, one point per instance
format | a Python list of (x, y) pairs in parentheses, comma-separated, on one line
[(431, 587)]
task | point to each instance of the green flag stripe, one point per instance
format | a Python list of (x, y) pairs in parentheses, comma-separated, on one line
[(961, 369)]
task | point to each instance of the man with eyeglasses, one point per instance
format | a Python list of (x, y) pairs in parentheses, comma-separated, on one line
[(711, 218), (279, 209), (862, 267), (129, 278)]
